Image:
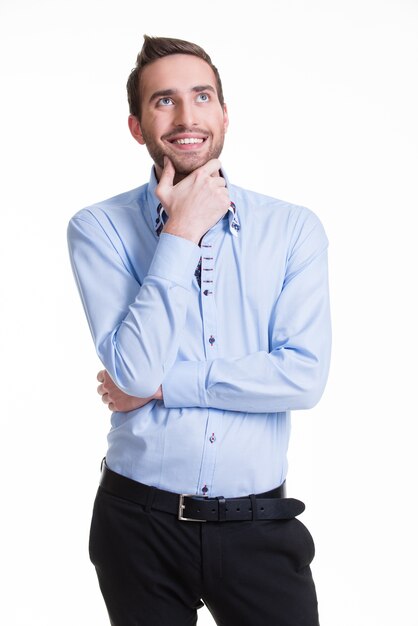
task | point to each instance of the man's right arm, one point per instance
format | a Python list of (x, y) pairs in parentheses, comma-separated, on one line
[(137, 328)]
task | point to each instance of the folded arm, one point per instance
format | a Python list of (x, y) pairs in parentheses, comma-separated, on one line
[(293, 373)]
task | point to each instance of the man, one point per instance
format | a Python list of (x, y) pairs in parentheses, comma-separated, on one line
[(208, 305)]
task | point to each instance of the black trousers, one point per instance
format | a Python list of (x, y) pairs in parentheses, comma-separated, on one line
[(155, 570)]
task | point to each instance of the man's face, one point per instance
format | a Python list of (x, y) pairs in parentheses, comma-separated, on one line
[(181, 115)]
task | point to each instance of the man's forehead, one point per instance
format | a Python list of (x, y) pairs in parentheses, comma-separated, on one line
[(181, 72)]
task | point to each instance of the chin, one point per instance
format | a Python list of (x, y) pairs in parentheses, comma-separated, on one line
[(185, 167)]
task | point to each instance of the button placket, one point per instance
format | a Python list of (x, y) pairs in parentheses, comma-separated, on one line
[(207, 281), (213, 435), (208, 305), (210, 247)]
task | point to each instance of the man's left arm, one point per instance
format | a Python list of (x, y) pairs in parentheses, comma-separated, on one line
[(293, 374)]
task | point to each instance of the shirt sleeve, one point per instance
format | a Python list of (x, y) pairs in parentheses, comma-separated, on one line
[(293, 373), (135, 327)]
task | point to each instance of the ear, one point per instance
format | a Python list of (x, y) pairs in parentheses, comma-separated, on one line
[(226, 118), (135, 128)]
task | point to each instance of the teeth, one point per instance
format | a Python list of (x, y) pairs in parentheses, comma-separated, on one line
[(189, 140)]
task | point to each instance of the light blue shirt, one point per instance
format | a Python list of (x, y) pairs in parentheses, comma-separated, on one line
[(234, 354)]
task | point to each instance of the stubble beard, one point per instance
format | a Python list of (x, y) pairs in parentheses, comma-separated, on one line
[(186, 164)]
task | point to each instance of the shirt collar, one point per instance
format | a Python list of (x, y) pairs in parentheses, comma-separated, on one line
[(159, 216)]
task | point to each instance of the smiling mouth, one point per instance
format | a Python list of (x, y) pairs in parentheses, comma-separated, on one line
[(188, 140)]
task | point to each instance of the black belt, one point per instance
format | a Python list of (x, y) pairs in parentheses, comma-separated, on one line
[(188, 507)]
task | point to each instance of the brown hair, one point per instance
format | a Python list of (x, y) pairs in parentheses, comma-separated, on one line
[(156, 48)]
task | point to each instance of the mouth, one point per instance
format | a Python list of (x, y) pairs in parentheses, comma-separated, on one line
[(187, 141)]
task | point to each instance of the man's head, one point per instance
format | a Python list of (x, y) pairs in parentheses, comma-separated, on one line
[(176, 104)]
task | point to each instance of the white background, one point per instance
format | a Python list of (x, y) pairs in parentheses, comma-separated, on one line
[(323, 105)]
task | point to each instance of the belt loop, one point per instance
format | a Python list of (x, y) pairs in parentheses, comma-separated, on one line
[(221, 508), (150, 499), (254, 507)]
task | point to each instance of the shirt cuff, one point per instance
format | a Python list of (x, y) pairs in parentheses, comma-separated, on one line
[(175, 259), (184, 385)]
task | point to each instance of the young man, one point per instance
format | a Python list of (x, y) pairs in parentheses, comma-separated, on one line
[(208, 305)]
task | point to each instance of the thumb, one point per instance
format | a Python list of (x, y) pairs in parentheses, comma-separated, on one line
[(167, 175)]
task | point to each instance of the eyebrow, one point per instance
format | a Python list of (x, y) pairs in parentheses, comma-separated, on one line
[(163, 93)]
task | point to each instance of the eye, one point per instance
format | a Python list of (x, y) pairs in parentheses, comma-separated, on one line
[(202, 97), (165, 101)]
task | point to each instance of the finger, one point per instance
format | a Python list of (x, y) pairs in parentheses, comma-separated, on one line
[(167, 175), (212, 167), (111, 406), (100, 390), (100, 376), (105, 398)]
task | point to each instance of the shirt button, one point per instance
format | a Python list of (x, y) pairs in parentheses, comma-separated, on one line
[(212, 438), (211, 340), (206, 292)]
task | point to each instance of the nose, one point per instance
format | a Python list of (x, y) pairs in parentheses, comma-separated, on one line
[(186, 114)]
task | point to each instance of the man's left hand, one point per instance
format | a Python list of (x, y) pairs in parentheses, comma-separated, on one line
[(116, 399)]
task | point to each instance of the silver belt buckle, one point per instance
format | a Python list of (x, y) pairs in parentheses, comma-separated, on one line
[(182, 506)]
